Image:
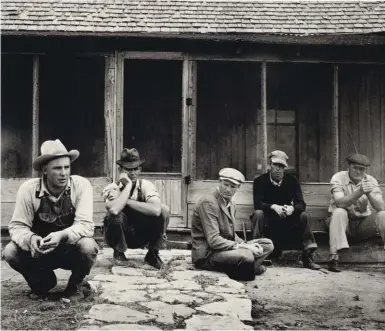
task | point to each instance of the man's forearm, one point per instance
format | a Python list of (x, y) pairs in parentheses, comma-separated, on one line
[(146, 208), (376, 201), (117, 205), (350, 199)]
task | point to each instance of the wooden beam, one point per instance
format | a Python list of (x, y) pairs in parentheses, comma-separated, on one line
[(263, 117), (192, 95), (110, 115), (119, 109), (153, 55), (335, 121), (35, 110)]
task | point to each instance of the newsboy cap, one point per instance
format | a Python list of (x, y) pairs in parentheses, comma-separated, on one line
[(359, 159), (231, 174), (278, 157)]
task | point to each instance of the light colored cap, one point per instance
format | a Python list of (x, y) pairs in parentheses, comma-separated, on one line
[(231, 174), (53, 149), (278, 157)]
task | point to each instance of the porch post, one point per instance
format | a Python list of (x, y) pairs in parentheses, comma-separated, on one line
[(110, 116), (35, 110), (335, 120), (263, 117), (119, 109)]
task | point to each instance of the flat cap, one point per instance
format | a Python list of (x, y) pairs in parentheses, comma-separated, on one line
[(359, 159), (278, 157), (231, 174)]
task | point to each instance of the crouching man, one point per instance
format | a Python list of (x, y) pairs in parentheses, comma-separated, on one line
[(356, 207), (215, 245), (52, 224), (136, 217)]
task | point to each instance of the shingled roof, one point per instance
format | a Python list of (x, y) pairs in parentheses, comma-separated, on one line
[(183, 17)]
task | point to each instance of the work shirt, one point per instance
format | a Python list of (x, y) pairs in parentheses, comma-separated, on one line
[(28, 200), (341, 182), (142, 192)]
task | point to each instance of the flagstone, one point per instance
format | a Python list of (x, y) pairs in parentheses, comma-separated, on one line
[(114, 313)]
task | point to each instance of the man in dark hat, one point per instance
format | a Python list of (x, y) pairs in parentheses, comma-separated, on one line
[(280, 211), (52, 224), (215, 245), (136, 217), (356, 207)]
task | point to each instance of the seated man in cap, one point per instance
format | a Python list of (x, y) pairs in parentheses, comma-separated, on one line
[(135, 216), (215, 245), (280, 211), (356, 207), (52, 224)]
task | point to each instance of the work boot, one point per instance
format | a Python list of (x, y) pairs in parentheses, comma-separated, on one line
[(333, 266), (119, 258), (307, 261), (153, 259), (259, 270)]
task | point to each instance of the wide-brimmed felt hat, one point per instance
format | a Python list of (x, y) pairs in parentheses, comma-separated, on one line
[(53, 149), (130, 159)]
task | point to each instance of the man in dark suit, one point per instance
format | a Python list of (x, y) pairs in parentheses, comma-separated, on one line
[(280, 211), (215, 245)]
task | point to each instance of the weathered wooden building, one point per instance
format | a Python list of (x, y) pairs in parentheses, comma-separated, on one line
[(195, 86)]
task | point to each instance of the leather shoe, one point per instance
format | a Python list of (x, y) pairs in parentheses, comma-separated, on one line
[(259, 270), (307, 262), (153, 259), (120, 259), (333, 266)]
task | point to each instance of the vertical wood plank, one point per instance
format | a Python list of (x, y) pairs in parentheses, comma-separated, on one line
[(110, 116), (382, 129), (192, 93), (335, 120), (185, 137), (119, 109), (263, 117), (35, 110)]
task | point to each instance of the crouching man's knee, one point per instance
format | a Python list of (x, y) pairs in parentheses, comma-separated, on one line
[(115, 219), (11, 253), (88, 249), (256, 216)]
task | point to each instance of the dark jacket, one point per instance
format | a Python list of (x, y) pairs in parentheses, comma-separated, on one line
[(212, 226)]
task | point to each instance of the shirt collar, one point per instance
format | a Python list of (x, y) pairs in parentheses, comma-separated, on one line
[(274, 182), (43, 188)]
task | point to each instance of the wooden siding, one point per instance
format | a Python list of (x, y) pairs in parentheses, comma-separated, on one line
[(169, 189), (362, 109), (316, 196)]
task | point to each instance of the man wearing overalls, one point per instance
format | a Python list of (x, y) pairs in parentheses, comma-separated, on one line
[(136, 217), (52, 224)]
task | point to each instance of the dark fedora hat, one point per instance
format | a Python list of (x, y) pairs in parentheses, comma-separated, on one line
[(129, 159)]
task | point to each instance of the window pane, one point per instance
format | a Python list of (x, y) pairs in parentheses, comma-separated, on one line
[(16, 116), (153, 112), (72, 108), (228, 99)]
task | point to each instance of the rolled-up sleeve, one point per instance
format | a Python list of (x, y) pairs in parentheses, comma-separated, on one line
[(21, 222), (83, 225), (336, 185), (209, 215)]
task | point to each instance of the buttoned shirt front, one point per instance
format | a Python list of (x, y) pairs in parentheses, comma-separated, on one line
[(341, 182), (28, 201)]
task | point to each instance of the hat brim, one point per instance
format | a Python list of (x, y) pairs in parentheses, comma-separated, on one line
[(230, 180), (130, 165), (44, 159), (279, 160)]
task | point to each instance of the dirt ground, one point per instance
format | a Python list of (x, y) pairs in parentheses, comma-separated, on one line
[(297, 298), (286, 297)]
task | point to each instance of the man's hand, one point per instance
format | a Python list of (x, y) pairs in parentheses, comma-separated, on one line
[(125, 180), (50, 242), (35, 246), (288, 209), (366, 186), (279, 210)]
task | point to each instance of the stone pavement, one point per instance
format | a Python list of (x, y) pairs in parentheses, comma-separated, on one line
[(139, 297)]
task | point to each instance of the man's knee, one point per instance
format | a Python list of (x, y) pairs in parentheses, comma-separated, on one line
[(267, 245), (112, 219), (339, 214), (88, 248), (304, 217), (11, 253)]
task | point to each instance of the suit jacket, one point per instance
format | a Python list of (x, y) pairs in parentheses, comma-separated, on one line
[(212, 226)]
